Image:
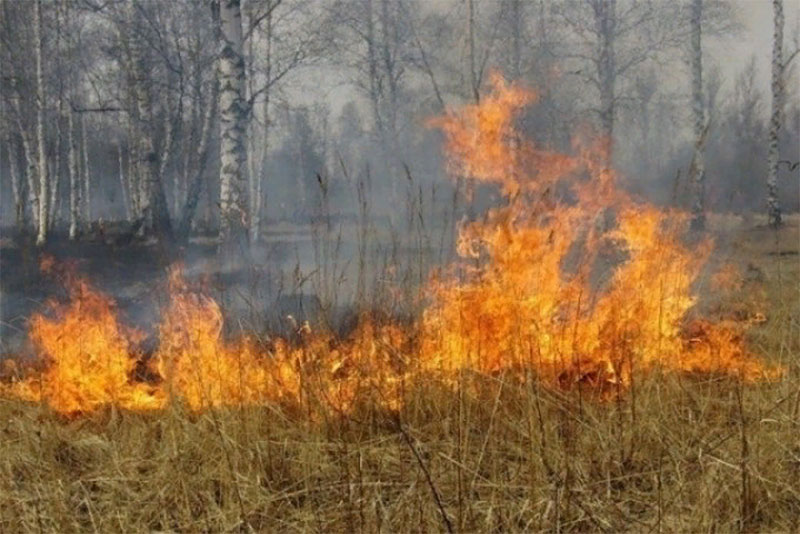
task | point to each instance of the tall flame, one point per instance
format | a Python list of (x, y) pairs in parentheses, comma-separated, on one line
[(534, 300)]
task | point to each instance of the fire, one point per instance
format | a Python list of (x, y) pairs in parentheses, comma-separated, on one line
[(88, 355), (571, 279), (537, 298)]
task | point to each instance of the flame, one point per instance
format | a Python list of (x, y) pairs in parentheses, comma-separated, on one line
[(88, 354), (534, 300), (571, 278)]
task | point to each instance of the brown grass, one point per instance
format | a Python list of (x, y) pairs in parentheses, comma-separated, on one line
[(678, 454)]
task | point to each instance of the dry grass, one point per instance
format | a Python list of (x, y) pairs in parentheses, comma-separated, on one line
[(675, 454)]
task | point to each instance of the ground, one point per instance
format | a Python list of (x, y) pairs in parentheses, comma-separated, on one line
[(676, 453)]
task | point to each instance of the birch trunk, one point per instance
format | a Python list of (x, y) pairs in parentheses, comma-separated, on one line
[(133, 169), (153, 203), (123, 185), (55, 189), (196, 185), (697, 168), (41, 235), (30, 172), (605, 12), (86, 181), (517, 23), (474, 79), (260, 173), (169, 145), (233, 186), (55, 196), (74, 180), (189, 142), (776, 119), (16, 185)]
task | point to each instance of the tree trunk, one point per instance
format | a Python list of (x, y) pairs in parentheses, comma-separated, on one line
[(474, 80), (87, 189), (16, 185), (517, 24), (41, 235), (153, 203), (56, 185), (123, 184), (169, 145), (605, 12), (776, 119), (257, 199), (133, 169), (697, 168), (196, 185), (30, 171), (189, 143), (233, 186), (74, 179), (55, 193)]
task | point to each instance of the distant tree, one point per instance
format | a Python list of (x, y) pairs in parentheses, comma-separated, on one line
[(21, 93), (610, 40), (74, 180), (280, 36)]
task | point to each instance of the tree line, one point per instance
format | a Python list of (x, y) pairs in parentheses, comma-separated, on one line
[(173, 106)]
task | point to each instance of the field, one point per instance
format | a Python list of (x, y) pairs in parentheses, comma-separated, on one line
[(676, 452)]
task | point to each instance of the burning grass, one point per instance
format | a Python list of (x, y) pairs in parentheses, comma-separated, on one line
[(560, 377), (522, 299)]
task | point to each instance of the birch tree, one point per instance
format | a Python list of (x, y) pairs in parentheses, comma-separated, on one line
[(152, 198), (41, 235), (74, 178), (776, 117), (610, 40), (232, 109), (697, 167), (17, 185)]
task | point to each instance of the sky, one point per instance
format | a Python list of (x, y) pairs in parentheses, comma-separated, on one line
[(755, 16)]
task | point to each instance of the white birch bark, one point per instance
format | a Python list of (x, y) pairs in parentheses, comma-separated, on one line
[(697, 168), (233, 185), (123, 183), (86, 179), (56, 178), (152, 199), (74, 179), (41, 235), (133, 169), (776, 118), (261, 171), (16, 184), (196, 185), (30, 168), (605, 12)]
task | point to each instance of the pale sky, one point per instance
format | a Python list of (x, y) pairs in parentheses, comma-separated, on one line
[(755, 16)]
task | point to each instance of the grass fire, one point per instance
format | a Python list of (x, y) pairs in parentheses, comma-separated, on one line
[(521, 296), (517, 310)]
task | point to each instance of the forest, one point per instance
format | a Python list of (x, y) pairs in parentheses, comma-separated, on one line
[(118, 111), (399, 265)]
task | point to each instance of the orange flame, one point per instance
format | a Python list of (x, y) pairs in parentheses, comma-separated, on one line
[(88, 354), (535, 301)]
